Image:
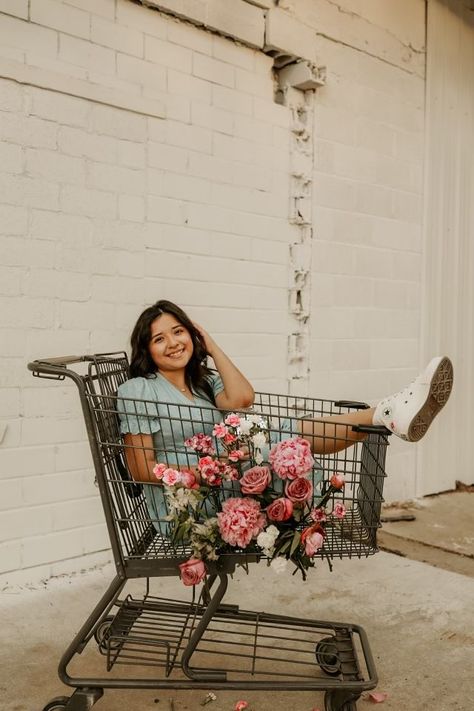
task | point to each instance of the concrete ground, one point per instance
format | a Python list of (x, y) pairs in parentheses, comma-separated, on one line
[(419, 620)]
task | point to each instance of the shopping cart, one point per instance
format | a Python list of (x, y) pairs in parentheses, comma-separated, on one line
[(201, 642)]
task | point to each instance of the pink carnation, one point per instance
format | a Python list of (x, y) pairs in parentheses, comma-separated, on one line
[(240, 520), (339, 510), (220, 430), (229, 438), (291, 458), (236, 455), (232, 420), (240, 705), (159, 470), (318, 515), (200, 443), (210, 470), (171, 477)]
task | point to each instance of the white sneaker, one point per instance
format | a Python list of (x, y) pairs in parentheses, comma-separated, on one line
[(409, 413)]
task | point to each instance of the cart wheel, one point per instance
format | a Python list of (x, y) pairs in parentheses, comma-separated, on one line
[(330, 703), (57, 704), (102, 629), (326, 657)]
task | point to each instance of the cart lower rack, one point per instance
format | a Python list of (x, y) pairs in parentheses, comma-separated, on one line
[(147, 641)]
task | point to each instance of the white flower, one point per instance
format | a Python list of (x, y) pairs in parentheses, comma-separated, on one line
[(265, 540), (245, 426), (259, 440), (278, 565), (256, 419), (273, 531), (258, 457)]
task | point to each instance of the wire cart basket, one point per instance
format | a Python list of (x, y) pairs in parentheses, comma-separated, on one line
[(202, 642)]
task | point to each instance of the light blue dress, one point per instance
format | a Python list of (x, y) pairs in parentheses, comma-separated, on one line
[(153, 406)]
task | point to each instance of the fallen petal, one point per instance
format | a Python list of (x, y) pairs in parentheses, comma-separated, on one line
[(378, 697)]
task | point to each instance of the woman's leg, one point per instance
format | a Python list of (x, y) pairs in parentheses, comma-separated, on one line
[(331, 434), (407, 414)]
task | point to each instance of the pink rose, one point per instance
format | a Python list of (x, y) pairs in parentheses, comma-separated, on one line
[(188, 479), (339, 510), (240, 705), (192, 572), (255, 480), (291, 458), (240, 520), (313, 539), (220, 430), (171, 477), (299, 490), (236, 455), (232, 420), (159, 470), (280, 510), (318, 515), (337, 481)]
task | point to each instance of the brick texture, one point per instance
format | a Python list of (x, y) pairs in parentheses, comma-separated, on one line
[(105, 209)]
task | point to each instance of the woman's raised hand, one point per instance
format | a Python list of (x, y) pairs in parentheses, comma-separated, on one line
[(209, 343)]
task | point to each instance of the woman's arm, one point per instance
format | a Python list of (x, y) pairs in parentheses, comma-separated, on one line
[(141, 459), (237, 393), (140, 456)]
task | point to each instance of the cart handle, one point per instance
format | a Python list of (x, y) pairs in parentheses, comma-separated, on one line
[(54, 368), (371, 429)]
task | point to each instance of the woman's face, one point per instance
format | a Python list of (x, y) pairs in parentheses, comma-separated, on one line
[(170, 346)]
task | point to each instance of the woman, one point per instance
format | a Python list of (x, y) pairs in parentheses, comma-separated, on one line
[(173, 395)]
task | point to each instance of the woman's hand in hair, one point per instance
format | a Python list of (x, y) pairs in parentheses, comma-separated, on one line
[(209, 343)]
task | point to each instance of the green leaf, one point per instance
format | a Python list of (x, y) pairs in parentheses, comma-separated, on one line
[(295, 542)]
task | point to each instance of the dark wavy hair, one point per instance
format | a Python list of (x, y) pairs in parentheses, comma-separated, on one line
[(197, 375)]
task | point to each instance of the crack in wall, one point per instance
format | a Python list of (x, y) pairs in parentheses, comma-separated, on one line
[(300, 216)]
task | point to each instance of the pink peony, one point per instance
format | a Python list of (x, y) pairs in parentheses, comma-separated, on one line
[(339, 510), (220, 430), (171, 477), (232, 420), (255, 480), (240, 520), (192, 572), (236, 455), (159, 470), (299, 490), (280, 510), (337, 480), (313, 539), (291, 458), (318, 515)]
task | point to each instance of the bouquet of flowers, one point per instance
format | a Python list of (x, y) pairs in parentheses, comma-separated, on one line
[(277, 513)]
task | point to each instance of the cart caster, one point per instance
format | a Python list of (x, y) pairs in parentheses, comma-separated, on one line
[(326, 657), (101, 631), (81, 700), (57, 704), (335, 701)]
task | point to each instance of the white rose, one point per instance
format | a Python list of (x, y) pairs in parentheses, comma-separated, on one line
[(265, 540), (273, 532), (278, 565)]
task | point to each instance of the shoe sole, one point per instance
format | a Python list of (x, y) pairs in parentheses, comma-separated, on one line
[(440, 389)]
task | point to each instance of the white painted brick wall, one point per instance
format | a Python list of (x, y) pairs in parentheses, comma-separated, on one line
[(104, 210)]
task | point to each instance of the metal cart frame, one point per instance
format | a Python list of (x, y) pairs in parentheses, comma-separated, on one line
[(155, 633)]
